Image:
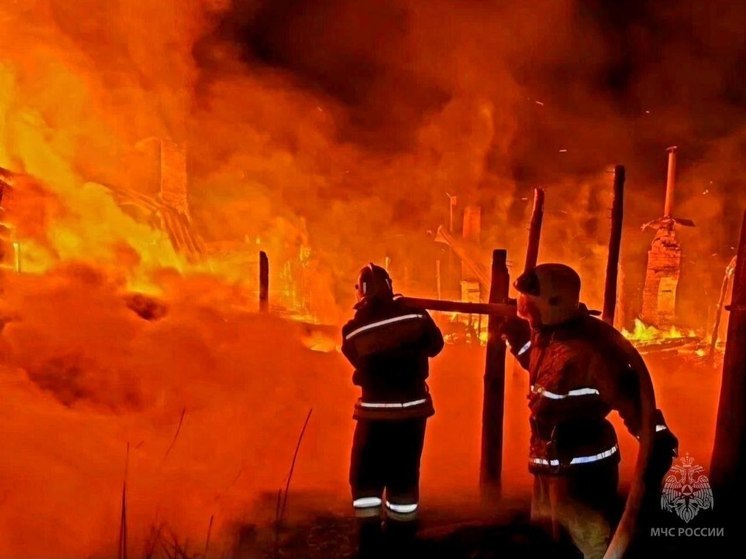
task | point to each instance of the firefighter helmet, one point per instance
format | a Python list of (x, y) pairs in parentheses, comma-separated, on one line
[(374, 282), (551, 291)]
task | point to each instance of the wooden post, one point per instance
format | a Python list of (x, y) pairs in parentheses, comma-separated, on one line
[(719, 309), (534, 232), (438, 285), (615, 242), (670, 182), (263, 282), (729, 452), (494, 383)]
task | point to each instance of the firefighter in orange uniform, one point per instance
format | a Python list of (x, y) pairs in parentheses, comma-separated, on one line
[(580, 369), (389, 345)]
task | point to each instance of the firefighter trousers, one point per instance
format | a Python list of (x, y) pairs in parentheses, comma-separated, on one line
[(582, 506), (385, 468)]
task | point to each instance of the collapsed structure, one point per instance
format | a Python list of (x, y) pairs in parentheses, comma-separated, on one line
[(171, 206)]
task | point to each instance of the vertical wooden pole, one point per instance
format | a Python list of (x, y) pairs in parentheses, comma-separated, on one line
[(494, 384), (719, 309), (263, 282), (670, 182), (615, 243), (438, 284), (450, 274), (729, 452), (534, 232)]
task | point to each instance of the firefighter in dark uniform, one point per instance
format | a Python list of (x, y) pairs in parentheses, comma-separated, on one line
[(580, 369), (389, 344)]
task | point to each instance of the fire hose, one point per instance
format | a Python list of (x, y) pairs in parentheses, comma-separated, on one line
[(627, 526)]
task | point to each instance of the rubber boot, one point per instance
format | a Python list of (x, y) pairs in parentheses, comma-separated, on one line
[(370, 539), (400, 538)]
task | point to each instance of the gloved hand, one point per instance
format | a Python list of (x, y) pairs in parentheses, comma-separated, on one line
[(665, 449), (516, 332)]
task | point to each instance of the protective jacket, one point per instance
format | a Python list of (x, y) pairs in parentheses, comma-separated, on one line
[(389, 344), (578, 373)]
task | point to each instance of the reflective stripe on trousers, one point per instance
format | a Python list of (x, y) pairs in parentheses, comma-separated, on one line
[(536, 389), (577, 459), (366, 507), (402, 512), (392, 405)]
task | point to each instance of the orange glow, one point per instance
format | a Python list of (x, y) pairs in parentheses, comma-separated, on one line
[(150, 149)]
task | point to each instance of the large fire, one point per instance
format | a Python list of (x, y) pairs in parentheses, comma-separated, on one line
[(150, 150), (648, 333)]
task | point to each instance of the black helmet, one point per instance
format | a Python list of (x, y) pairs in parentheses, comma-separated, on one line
[(554, 289), (374, 282)]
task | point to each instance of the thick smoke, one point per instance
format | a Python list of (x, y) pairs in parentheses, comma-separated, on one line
[(330, 133), (84, 376), (489, 100)]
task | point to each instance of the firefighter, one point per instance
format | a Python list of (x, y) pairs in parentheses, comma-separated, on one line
[(389, 344), (580, 369)]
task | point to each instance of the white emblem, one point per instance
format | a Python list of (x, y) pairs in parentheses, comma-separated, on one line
[(686, 491)]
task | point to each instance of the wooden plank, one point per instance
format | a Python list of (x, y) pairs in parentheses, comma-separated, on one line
[(534, 232), (615, 243), (503, 309), (263, 282), (493, 407), (468, 255), (174, 177), (719, 310), (729, 453)]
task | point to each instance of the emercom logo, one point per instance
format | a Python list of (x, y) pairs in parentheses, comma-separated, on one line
[(698, 532), (686, 490)]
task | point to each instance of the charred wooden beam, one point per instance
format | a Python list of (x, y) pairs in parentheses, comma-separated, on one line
[(174, 179), (615, 243), (263, 282), (466, 253), (667, 344), (175, 223), (504, 309), (719, 310), (534, 232), (729, 452), (493, 407)]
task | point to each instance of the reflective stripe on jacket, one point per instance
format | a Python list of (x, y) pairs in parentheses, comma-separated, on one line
[(389, 345), (578, 373)]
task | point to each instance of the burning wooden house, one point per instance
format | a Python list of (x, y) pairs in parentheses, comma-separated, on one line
[(664, 259), (169, 210)]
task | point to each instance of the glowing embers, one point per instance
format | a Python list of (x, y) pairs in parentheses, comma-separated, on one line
[(459, 328), (647, 338)]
